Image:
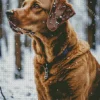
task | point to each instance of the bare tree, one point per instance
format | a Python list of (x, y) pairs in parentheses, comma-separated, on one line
[(18, 54), (18, 73), (0, 25), (92, 26)]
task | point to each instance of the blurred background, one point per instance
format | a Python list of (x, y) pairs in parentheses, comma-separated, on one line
[(16, 53)]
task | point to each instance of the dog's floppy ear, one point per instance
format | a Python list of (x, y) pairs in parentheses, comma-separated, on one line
[(60, 12)]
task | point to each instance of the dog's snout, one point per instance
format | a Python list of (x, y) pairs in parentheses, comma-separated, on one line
[(9, 13)]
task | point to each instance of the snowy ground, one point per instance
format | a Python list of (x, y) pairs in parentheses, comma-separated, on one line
[(15, 89), (23, 89)]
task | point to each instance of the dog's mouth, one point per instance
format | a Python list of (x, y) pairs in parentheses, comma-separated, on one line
[(20, 30)]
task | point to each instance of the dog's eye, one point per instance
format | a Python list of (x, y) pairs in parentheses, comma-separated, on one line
[(35, 6)]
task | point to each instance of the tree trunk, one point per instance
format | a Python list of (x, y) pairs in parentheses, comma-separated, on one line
[(18, 51), (27, 42), (18, 70), (0, 25), (92, 26), (18, 54)]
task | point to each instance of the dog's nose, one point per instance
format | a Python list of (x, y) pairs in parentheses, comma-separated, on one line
[(9, 13)]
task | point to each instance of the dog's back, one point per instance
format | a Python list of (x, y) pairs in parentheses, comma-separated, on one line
[(95, 88)]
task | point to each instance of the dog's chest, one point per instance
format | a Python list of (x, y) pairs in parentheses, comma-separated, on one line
[(63, 81), (60, 90), (57, 85)]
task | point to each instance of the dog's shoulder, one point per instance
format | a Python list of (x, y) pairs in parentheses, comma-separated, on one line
[(80, 49)]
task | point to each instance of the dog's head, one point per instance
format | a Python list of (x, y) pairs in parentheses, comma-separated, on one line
[(40, 15)]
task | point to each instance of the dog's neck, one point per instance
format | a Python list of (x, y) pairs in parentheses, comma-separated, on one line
[(48, 48)]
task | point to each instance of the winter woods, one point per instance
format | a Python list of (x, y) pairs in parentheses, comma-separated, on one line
[(88, 14), (15, 49)]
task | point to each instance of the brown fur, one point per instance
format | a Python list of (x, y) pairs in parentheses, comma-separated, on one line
[(76, 76), (72, 77)]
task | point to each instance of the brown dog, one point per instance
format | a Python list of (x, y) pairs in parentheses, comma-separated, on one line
[(64, 66)]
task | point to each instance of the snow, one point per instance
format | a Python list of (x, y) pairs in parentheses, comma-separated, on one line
[(25, 89), (96, 53), (80, 20), (21, 89)]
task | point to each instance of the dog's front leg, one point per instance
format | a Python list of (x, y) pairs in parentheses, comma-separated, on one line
[(39, 87)]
